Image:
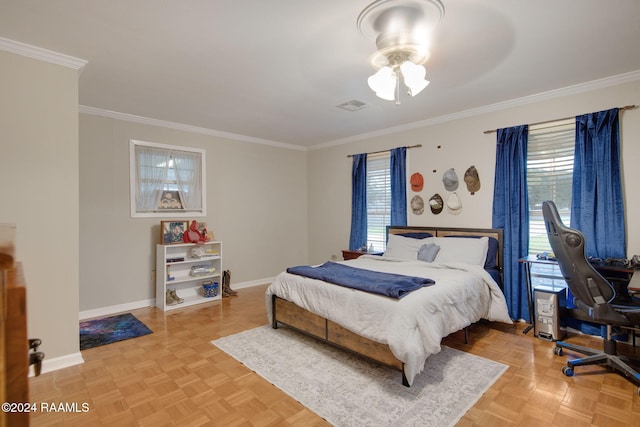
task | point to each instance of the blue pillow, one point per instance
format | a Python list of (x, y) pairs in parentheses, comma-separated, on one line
[(428, 252), (492, 253), (423, 235)]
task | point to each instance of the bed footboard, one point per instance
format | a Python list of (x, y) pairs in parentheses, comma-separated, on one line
[(311, 324)]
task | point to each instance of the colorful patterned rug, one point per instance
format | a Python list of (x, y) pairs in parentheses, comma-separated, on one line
[(97, 332)]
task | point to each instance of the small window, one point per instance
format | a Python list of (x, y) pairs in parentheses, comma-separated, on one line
[(166, 180)]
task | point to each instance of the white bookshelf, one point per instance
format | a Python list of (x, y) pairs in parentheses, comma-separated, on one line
[(173, 271)]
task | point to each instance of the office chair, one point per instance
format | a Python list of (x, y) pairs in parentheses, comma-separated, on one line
[(593, 294)]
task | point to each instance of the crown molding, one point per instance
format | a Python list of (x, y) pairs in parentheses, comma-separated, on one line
[(187, 128), (543, 96), (41, 54)]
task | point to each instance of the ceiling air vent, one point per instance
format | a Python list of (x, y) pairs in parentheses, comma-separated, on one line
[(353, 105)]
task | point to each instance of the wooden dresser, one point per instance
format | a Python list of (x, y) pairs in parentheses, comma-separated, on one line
[(14, 361), (349, 254)]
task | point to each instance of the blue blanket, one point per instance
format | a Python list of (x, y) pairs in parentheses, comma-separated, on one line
[(388, 284)]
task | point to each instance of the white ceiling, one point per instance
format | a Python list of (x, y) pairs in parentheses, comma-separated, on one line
[(276, 70)]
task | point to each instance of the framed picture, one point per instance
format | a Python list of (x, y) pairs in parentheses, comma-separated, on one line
[(172, 231)]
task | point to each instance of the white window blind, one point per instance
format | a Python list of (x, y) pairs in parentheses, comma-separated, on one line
[(378, 200), (549, 176)]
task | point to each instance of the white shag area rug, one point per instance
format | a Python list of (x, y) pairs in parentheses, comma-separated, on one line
[(348, 390)]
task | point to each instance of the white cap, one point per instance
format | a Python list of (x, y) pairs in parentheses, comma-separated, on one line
[(454, 205)]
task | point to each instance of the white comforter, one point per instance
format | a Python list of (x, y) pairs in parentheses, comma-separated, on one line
[(413, 326)]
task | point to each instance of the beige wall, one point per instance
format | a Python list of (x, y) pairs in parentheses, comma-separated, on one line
[(39, 170), (256, 205), (462, 143)]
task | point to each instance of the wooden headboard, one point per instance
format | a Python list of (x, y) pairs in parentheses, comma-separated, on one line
[(496, 233)]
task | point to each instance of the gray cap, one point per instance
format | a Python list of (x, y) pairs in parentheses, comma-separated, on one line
[(450, 180)]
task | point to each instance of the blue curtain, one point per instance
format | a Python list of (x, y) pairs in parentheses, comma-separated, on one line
[(358, 202), (398, 186), (597, 205), (511, 213)]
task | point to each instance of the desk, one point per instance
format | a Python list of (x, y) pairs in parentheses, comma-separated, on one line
[(628, 277)]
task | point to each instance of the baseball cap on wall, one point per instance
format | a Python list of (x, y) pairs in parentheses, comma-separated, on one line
[(450, 180), (436, 204), (417, 205), (472, 179), (454, 205), (417, 181)]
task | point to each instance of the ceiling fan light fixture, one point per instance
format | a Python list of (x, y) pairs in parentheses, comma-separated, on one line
[(402, 32)]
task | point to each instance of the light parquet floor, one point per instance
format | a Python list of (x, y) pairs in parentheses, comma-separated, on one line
[(175, 376)]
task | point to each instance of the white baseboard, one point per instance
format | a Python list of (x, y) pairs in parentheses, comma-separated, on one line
[(105, 311), (114, 309), (251, 283), (50, 365)]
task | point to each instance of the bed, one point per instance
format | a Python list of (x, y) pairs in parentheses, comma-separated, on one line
[(400, 332)]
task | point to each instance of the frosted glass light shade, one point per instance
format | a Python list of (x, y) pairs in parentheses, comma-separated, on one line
[(413, 76), (383, 83)]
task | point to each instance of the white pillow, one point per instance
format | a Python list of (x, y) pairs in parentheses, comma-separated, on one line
[(459, 249), (404, 247)]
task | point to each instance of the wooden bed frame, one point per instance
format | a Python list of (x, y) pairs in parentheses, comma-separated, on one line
[(295, 317)]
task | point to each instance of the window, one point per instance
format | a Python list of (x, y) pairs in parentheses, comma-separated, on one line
[(550, 153), (378, 199), (166, 180), (549, 176)]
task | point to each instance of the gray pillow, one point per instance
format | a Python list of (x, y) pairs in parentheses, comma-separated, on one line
[(428, 252)]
